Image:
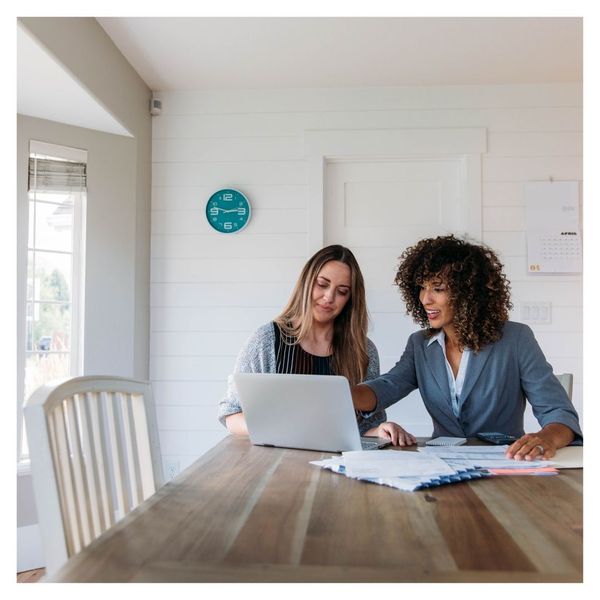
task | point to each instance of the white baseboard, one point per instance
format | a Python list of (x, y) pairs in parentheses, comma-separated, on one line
[(30, 554)]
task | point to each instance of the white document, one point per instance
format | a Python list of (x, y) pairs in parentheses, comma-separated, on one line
[(506, 463), (569, 457), (404, 483), (485, 457), (369, 464), (335, 464), (464, 450)]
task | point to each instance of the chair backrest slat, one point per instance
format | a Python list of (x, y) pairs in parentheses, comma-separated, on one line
[(143, 443), (97, 460), (58, 450), (130, 448), (67, 486), (106, 472), (89, 461), (80, 478), (95, 455), (117, 458)]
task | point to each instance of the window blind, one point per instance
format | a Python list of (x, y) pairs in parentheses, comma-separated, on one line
[(49, 175)]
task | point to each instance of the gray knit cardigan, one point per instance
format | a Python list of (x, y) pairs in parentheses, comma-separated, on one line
[(258, 356)]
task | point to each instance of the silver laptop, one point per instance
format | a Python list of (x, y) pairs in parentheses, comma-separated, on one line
[(310, 412)]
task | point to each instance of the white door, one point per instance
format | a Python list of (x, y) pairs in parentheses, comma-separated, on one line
[(377, 209)]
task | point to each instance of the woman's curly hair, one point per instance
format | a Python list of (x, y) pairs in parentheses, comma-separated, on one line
[(478, 290)]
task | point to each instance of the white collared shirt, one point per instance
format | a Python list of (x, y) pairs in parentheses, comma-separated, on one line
[(455, 384)]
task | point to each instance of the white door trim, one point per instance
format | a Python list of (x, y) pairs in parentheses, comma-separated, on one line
[(323, 146)]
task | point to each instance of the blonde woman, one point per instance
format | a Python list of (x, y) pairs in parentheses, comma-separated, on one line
[(321, 331)]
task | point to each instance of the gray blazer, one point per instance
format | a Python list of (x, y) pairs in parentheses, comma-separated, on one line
[(499, 377)]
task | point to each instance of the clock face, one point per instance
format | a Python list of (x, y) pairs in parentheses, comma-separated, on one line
[(228, 211)]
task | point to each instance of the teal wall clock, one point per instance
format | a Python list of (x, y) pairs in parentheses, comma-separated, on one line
[(228, 211)]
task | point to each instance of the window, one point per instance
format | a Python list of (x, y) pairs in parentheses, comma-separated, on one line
[(55, 257)]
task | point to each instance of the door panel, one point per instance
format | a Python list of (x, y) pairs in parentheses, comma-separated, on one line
[(378, 208)]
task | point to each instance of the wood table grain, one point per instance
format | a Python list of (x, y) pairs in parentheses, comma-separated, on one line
[(244, 513)]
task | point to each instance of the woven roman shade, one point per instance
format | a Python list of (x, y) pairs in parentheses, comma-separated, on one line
[(50, 175)]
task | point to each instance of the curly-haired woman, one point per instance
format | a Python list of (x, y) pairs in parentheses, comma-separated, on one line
[(473, 367)]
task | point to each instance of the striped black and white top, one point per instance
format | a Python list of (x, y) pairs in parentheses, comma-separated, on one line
[(266, 352), (291, 358)]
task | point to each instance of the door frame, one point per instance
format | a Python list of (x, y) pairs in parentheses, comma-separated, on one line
[(463, 144)]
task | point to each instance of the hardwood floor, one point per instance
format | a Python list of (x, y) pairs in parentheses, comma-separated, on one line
[(30, 576)]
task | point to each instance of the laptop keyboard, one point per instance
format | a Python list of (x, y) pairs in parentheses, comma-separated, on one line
[(369, 444)]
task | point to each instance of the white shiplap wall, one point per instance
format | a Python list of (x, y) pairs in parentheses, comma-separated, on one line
[(209, 291)]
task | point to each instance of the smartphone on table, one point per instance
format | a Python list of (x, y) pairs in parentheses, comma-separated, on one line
[(497, 438)]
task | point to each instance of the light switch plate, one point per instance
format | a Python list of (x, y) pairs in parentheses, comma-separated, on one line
[(539, 313)]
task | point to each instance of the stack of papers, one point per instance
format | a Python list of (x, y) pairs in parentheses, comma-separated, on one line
[(408, 471), (490, 458), (431, 466)]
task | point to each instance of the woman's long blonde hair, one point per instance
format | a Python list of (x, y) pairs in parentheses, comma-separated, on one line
[(349, 344)]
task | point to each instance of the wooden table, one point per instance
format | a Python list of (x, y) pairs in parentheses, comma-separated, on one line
[(244, 513)]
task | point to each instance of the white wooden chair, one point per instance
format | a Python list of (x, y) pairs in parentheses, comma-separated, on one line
[(566, 380), (95, 455)]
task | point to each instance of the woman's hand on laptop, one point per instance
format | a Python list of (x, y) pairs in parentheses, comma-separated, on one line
[(392, 431)]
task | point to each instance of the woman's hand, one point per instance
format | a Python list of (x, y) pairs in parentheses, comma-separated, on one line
[(393, 432), (531, 446), (541, 445)]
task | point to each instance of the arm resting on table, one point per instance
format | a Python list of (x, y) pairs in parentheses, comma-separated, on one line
[(559, 435), (236, 423), (551, 437)]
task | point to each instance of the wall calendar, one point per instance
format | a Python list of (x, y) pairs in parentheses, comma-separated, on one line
[(553, 230)]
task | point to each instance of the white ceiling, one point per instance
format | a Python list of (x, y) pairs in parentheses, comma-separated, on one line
[(203, 53), (47, 91)]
